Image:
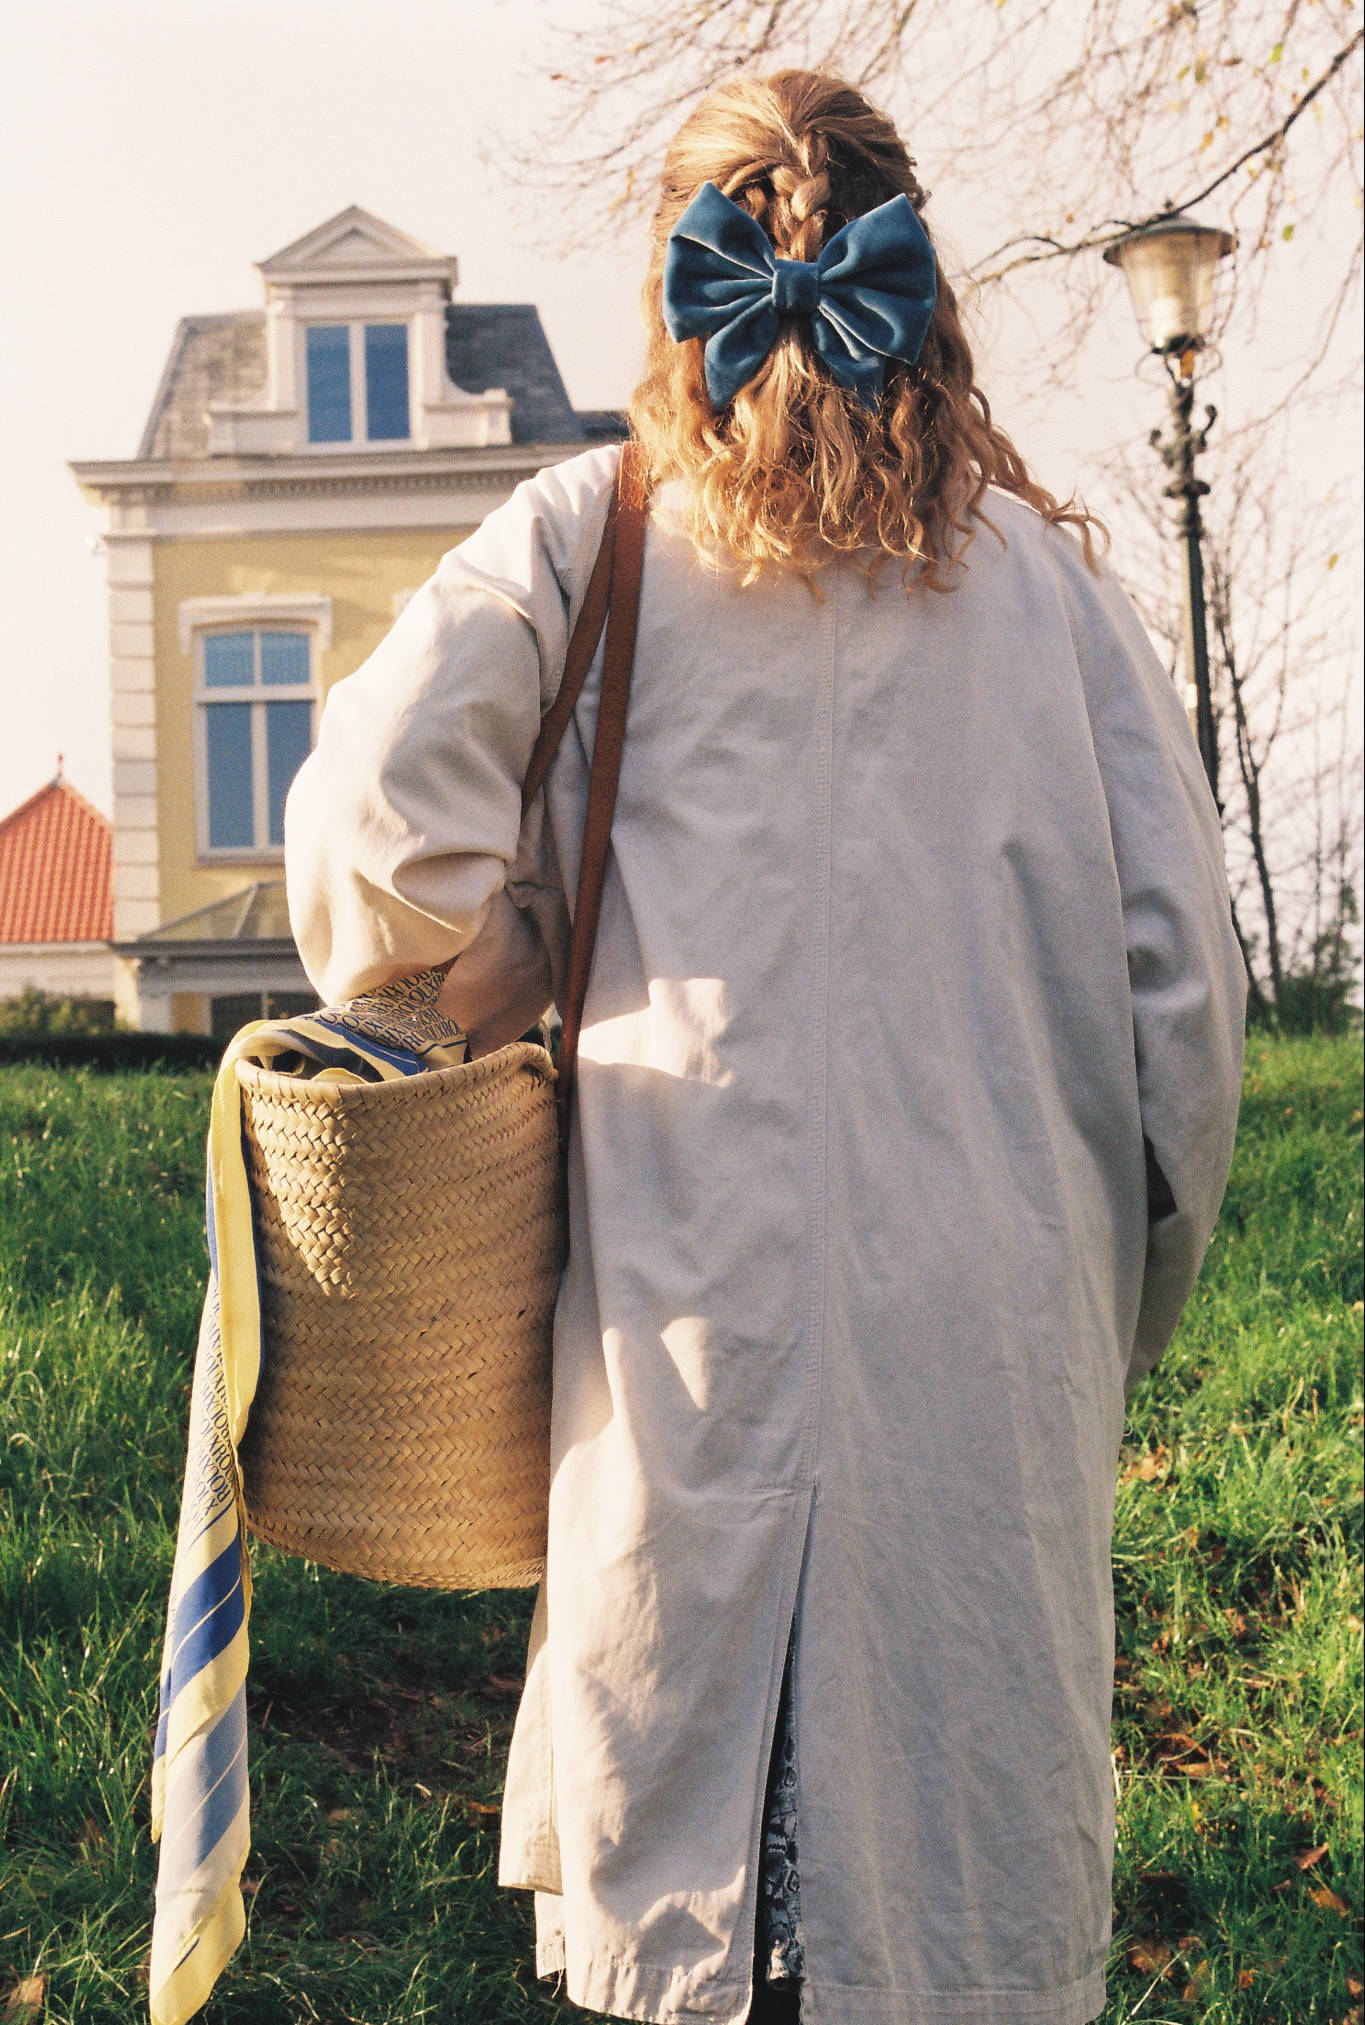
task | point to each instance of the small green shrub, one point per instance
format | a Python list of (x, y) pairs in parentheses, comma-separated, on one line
[(32, 1012)]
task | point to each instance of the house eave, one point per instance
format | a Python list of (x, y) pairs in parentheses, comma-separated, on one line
[(166, 955), (89, 947), (156, 479)]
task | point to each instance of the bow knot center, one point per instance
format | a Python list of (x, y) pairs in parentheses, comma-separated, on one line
[(796, 287)]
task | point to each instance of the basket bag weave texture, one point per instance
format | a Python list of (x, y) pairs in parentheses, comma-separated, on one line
[(411, 1234), (400, 1427)]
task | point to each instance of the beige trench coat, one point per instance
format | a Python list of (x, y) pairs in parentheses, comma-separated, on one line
[(915, 924)]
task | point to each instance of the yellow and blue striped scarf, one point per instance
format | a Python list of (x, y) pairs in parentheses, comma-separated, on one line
[(199, 1772)]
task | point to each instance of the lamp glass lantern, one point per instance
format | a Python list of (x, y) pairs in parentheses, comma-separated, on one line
[(1169, 266)]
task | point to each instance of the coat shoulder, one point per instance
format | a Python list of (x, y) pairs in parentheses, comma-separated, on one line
[(536, 551), (566, 503), (1091, 593), (575, 485), (1032, 534)]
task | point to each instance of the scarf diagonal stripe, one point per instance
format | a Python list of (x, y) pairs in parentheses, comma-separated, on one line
[(200, 1811)]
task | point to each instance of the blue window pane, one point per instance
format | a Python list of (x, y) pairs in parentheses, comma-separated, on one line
[(329, 383), (386, 381), (229, 765), (228, 661), (284, 658), (288, 736)]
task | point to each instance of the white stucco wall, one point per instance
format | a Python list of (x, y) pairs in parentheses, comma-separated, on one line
[(73, 969)]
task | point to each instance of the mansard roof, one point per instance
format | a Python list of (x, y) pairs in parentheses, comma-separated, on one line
[(222, 359), (213, 358)]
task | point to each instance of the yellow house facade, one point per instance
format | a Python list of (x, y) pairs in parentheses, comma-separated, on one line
[(304, 467)]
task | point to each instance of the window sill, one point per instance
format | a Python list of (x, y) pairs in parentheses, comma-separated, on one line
[(223, 861), (311, 449)]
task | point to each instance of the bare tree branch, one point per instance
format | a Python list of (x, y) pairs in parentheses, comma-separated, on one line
[(987, 270)]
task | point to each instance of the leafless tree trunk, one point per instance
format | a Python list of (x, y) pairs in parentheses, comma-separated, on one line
[(1251, 757)]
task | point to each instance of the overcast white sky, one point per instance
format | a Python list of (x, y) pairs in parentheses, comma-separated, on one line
[(151, 151)]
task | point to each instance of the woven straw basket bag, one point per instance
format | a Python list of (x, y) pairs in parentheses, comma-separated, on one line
[(410, 1237)]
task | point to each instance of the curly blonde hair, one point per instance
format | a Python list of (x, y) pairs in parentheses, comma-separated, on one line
[(797, 467)]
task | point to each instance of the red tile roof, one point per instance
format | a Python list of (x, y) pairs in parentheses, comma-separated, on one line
[(55, 869)]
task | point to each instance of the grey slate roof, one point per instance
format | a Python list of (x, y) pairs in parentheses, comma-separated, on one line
[(604, 425), (213, 358), (503, 344), (488, 344)]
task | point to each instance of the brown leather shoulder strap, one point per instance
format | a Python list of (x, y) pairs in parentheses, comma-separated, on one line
[(587, 632), (627, 564)]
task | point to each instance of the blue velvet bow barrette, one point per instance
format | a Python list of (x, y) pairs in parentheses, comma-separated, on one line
[(869, 295)]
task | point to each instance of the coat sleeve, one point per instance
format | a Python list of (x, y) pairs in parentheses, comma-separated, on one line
[(1186, 974), (403, 825)]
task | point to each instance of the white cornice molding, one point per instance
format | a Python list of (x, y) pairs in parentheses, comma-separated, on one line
[(222, 497), (375, 471), (306, 608)]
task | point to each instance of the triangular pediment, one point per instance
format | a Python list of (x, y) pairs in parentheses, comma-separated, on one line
[(355, 243)]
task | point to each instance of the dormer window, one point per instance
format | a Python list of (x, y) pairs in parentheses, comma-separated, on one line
[(356, 336), (357, 372)]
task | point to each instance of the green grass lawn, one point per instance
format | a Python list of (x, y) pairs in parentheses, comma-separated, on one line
[(381, 1716)]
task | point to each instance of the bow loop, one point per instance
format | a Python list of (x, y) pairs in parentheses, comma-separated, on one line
[(869, 296)]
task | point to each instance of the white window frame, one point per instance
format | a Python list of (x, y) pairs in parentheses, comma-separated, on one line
[(256, 698), (355, 327)]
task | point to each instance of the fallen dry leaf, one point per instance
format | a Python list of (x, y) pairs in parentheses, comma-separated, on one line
[(25, 2001), (1154, 1464), (1355, 1986), (1330, 1902), (1150, 1958), (1177, 1751), (481, 1807), (1185, 1741), (1311, 1856), (1245, 1978)]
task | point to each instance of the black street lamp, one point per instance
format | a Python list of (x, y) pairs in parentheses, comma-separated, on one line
[(1169, 266)]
